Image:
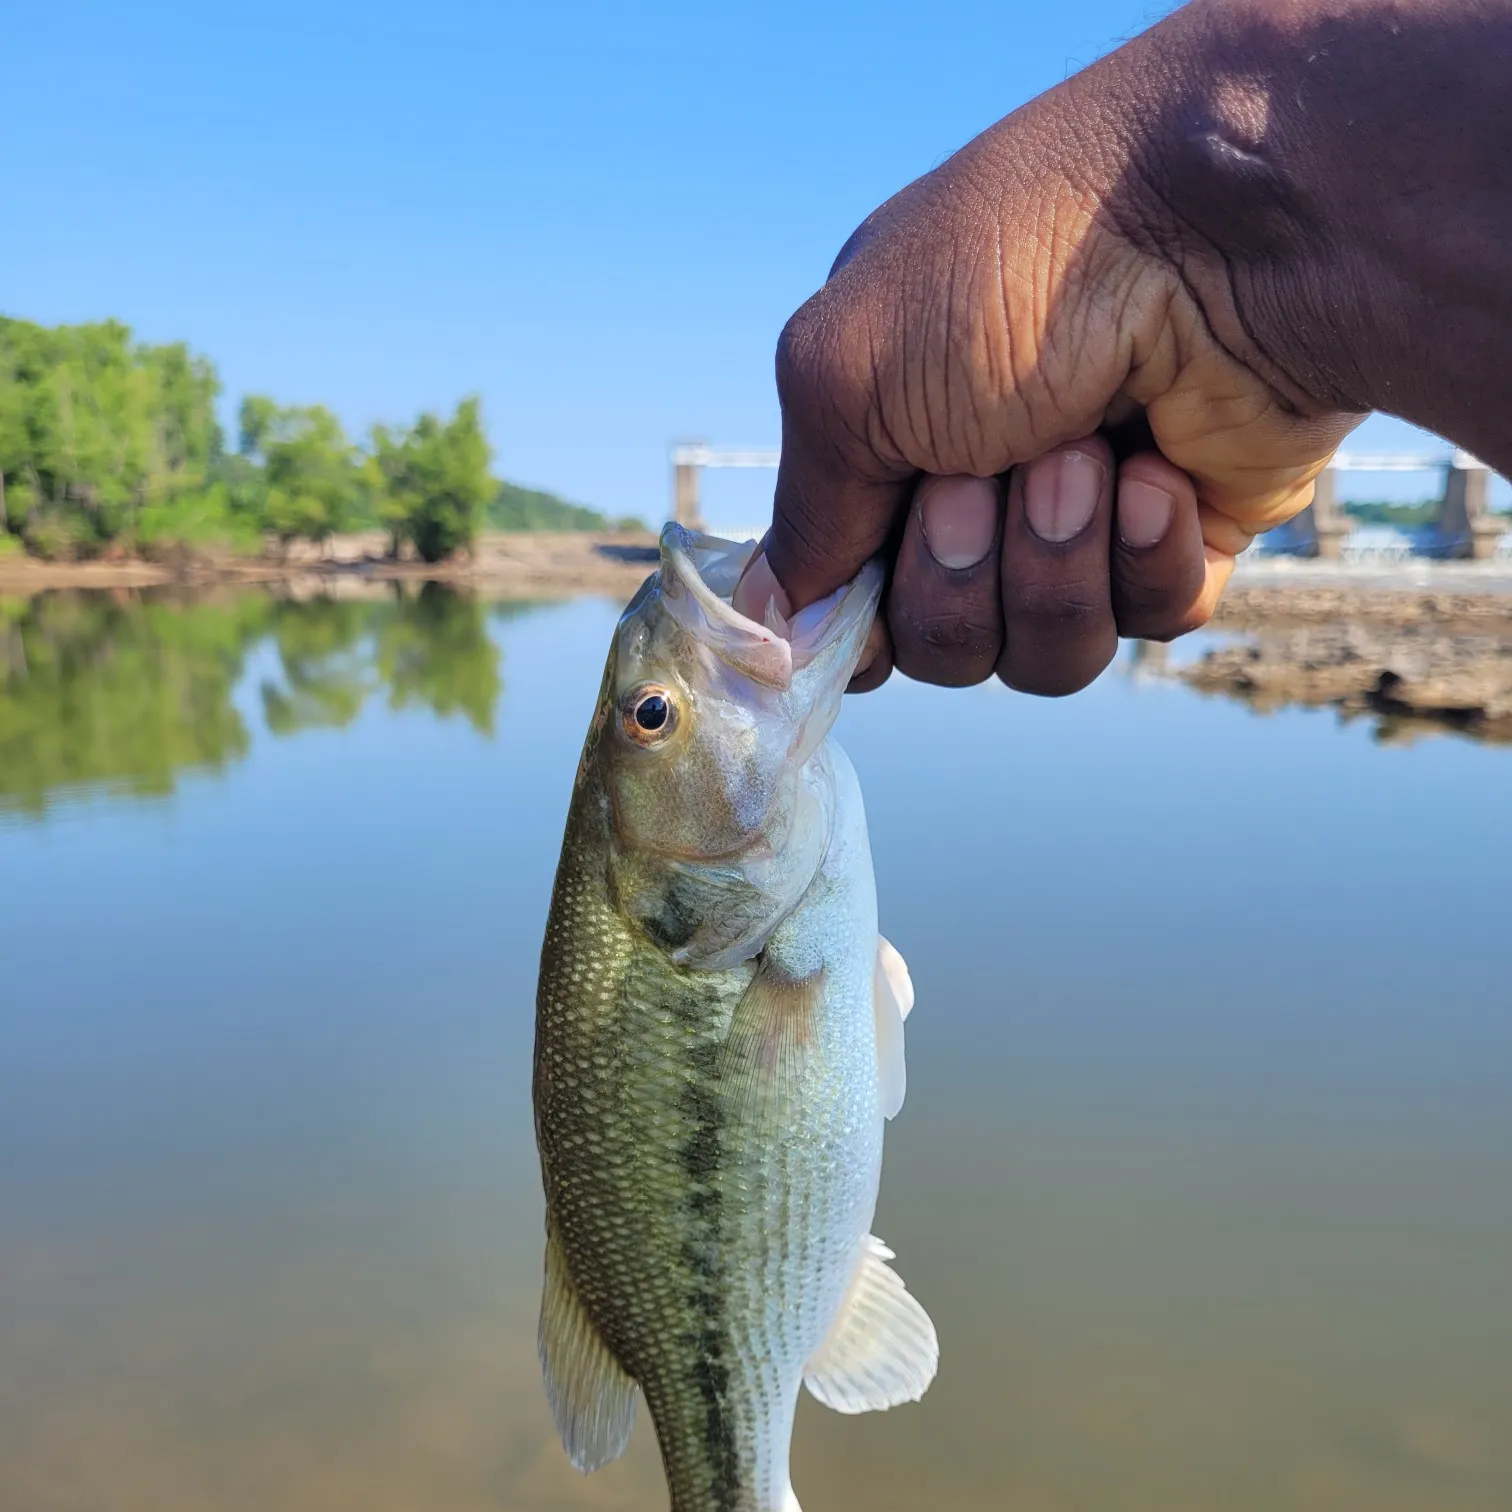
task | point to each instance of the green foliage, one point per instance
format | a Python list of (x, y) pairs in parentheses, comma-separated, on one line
[(94, 427), (516, 508), (110, 445), (204, 519), (310, 468), (435, 482)]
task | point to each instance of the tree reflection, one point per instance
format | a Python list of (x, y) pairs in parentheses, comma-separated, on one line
[(127, 692), (326, 675), (434, 650)]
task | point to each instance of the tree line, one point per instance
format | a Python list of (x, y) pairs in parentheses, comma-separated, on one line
[(110, 446)]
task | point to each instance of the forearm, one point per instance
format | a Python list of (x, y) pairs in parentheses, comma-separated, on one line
[(1346, 169)]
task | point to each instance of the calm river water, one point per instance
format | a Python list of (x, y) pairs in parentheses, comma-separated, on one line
[(1205, 1173)]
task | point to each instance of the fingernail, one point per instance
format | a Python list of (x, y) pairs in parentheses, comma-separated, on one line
[(1144, 513), (1061, 494), (959, 518), (758, 588)]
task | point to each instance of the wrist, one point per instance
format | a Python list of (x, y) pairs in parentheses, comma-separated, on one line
[(1337, 179)]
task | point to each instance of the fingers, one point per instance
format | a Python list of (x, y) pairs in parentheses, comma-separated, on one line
[(876, 661), (1037, 580), (1058, 624), (944, 608), (1159, 566), (1040, 586)]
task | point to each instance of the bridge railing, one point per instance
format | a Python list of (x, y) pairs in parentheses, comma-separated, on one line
[(1464, 525)]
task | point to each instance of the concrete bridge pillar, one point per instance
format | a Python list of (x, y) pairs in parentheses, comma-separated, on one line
[(687, 509), (1465, 517), (1321, 527)]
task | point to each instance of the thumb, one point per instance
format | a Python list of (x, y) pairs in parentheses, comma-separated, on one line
[(825, 528), (828, 519), (836, 501)]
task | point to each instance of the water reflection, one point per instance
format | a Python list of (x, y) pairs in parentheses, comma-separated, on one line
[(130, 691)]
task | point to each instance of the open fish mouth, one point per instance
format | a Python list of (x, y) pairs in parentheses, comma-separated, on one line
[(698, 577)]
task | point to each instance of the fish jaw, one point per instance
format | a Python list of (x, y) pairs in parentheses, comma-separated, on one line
[(720, 826)]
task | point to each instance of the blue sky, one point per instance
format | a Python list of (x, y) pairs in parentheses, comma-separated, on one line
[(597, 215)]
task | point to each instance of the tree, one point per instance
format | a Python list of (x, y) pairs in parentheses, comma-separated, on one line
[(94, 426), (434, 481), (309, 467)]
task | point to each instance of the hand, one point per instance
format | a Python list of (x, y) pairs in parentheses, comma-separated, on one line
[(1031, 384)]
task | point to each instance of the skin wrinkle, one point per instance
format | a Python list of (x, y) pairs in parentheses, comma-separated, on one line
[(1181, 258), (995, 371), (925, 438), (876, 418), (1166, 238)]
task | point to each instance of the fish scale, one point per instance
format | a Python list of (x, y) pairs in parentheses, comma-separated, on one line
[(709, 1110)]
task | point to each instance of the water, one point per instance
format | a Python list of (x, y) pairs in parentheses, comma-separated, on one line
[(1205, 1172)]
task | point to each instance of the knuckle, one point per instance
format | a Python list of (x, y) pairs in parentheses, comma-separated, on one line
[(800, 356), (950, 633), (1069, 608)]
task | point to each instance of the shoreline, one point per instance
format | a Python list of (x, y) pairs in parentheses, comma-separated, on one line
[(562, 564), (1425, 648), (514, 564)]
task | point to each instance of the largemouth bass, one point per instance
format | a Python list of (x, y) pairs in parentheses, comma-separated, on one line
[(719, 1039)]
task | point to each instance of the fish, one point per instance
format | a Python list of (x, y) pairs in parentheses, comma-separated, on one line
[(719, 1044)]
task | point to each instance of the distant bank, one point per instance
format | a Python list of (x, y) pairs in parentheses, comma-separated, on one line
[(503, 564)]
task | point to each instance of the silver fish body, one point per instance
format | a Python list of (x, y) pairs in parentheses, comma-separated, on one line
[(719, 1042)]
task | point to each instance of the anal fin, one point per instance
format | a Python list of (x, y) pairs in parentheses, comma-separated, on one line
[(882, 1350), (591, 1397)]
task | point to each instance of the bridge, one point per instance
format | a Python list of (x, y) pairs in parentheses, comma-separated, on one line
[(1464, 527)]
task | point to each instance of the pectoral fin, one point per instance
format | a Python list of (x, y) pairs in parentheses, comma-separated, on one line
[(772, 1029), (882, 1350), (591, 1397), (892, 997), (894, 969)]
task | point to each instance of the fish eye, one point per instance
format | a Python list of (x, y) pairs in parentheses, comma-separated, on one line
[(650, 714)]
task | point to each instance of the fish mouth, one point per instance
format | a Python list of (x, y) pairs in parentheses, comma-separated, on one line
[(698, 576)]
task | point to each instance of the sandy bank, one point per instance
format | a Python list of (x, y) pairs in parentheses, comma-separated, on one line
[(526, 564)]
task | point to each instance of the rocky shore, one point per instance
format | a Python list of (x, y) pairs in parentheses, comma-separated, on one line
[(1413, 661)]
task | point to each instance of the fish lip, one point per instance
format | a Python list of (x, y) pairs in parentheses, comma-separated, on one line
[(751, 648)]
